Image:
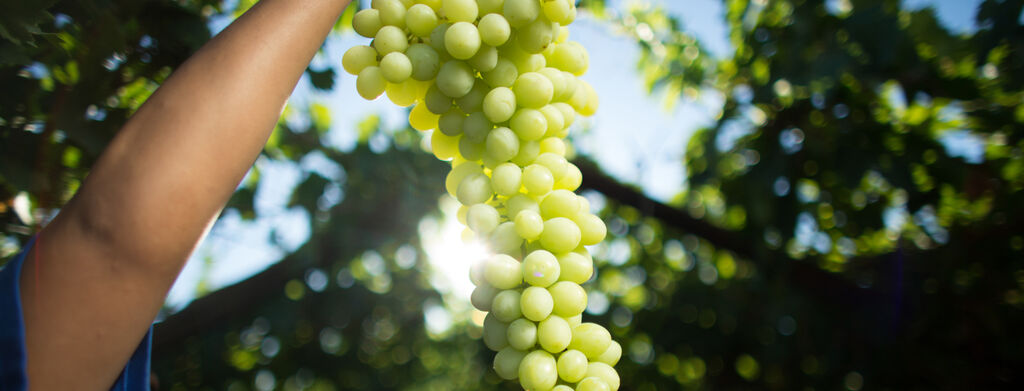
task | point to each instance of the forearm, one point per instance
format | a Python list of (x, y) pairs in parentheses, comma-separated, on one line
[(180, 157)]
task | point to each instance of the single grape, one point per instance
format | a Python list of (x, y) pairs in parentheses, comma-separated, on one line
[(504, 74), (437, 37), (421, 20), (494, 29), (458, 173), (521, 12), (592, 228), (392, 12), (611, 355), (592, 384), (560, 235), (575, 267), (357, 58), (533, 90), (460, 10), (422, 119), (455, 79), (520, 202), (483, 219), (462, 40), (528, 152), (529, 225), (452, 122), (562, 387), (370, 83), (538, 371), (390, 39), (522, 334), (489, 6), (437, 102), (529, 124), (506, 363), (556, 123), (502, 145), (540, 268), (554, 334), (485, 59), (503, 272), (495, 332), (558, 11), (553, 145), (572, 180), (506, 178), (506, 306), (536, 303), (403, 94), (476, 127), (591, 339), (444, 147), (475, 188), (556, 164), (570, 299), (367, 22), (396, 67), (537, 180), (473, 101), (572, 366), (559, 203), (482, 297), (505, 240), (499, 104), (592, 101), (536, 36), (425, 61)]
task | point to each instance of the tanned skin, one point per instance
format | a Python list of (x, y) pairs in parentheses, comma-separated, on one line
[(107, 261)]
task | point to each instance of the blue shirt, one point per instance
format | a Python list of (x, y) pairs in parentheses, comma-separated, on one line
[(134, 377)]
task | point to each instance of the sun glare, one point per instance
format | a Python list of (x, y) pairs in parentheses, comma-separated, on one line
[(449, 256)]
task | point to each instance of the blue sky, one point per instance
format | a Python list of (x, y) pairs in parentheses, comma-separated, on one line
[(633, 136)]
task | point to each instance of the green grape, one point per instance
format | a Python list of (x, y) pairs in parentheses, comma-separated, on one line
[(553, 145), (395, 67), (402, 94), (554, 334), (560, 235), (592, 384), (452, 122), (559, 11), (529, 124), (537, 180), (533, 90), (562, 387), (506, 306), (568, 114), (390, 39), (367, 22), (528, 152), (475, 188), (495, 332), (611, 355), (530, 63), (425, 61), (422, 119), (437, 102), (572, 180), (570, 299), (482, 297), (592, 228), (591, 339), (529, 225), (559, 203), (499, 104), (502, 145), (521, 12), (433, 4), (421, 20), (461, 216), (473, 101), (571, 85), (476, 127), (494, 29), (556, 163), (462, 40), (489, 6), (506, 363), (472, 150), (575, 267), (536, 36), (557, 79), (503, 272), (455, 79), (458, 174), (540, 269), (370, 83), (522, 334), (538, 370), (485, 59), (556, 123), (520, 202), (505, 240), (592, 100), (460, 10), (604, 372), (357, 58), (476, 269), (437, 37), (571, 57), (392, 12), (572, 366), (506, 178), (536, 303), (445, 147), (482, 219), (504, 74), (575, 320)]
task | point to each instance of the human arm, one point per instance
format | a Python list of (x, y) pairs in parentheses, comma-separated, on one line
[(108, 259)]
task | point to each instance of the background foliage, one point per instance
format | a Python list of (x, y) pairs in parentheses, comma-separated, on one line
[(828, 238)]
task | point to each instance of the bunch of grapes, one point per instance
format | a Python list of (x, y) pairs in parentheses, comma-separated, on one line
[(497, 82)]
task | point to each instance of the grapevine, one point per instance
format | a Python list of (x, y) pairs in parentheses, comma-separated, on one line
[(497, 82)]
